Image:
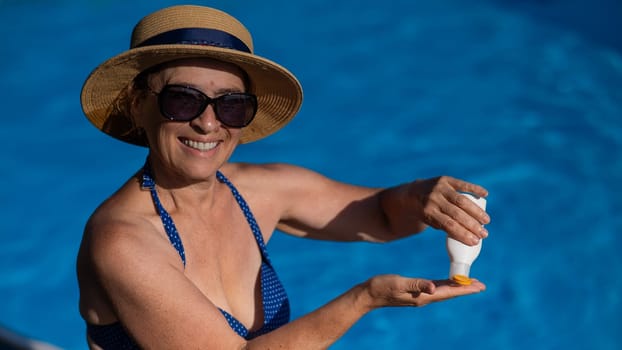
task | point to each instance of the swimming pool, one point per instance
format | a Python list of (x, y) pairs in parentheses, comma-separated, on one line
[(522, 97)]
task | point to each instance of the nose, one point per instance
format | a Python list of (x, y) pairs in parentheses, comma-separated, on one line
[(207, 121)]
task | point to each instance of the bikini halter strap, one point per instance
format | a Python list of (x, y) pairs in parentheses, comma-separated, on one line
[(167, 221)]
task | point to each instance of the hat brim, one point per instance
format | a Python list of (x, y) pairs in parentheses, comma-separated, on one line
[(279, 94)]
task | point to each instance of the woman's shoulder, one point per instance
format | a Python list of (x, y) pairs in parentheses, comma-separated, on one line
[(242, 168), (121, 241), (125, 222), (126, 208), (265, 173), (277, 183)]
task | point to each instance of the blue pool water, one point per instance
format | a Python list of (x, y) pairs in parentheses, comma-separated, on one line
[(523, 97)]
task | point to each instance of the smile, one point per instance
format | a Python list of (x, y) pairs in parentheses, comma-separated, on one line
[(201, 146)]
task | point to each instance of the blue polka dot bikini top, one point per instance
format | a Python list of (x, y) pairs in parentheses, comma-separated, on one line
[(274, 299)]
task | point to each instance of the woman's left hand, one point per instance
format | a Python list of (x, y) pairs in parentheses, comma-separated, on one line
[(395, 290)]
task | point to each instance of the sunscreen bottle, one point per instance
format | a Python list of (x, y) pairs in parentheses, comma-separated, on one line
[(461, 256)]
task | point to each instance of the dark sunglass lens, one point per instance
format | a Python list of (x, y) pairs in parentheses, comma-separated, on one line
[(236, 110), (181, 103)]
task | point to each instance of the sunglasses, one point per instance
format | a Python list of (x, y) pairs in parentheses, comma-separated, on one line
[(184, 103)]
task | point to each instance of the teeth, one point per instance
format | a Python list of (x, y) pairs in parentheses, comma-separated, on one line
[(201, 146)]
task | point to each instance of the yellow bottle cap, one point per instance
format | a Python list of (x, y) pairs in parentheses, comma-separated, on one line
[(462, 279)]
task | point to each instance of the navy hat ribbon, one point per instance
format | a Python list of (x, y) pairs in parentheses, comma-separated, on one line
[(197, 36)]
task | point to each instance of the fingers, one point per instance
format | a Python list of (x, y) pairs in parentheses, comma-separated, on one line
[(448, 210), (464, 219), (475, 285), (447, 289), (420, 285), (394, 290), (463, 186), (456, 222), (470, 207), (441, 290)]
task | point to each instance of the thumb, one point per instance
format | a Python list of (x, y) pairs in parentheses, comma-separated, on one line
[(419, 285)]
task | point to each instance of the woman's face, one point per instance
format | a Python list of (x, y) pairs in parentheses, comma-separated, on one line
[(193, 149)]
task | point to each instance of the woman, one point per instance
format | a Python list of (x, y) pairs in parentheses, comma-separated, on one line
[(176, 258)]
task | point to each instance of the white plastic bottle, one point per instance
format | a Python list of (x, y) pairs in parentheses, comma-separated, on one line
[(462, 256)]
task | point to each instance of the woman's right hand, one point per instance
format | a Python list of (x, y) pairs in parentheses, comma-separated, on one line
[(394, 290)]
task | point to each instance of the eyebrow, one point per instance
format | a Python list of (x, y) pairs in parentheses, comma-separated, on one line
[(228, 90), (218, 92)]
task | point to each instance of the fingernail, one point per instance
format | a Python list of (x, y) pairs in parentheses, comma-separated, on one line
[(474, 240), (484, 232)]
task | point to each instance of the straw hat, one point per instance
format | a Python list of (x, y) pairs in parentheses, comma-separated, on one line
[(186, 32)]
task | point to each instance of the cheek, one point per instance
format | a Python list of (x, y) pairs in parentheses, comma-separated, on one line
[(236, 135)]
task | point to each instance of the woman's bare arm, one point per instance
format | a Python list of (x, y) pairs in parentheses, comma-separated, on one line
[(324, 326), (317, 207)]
